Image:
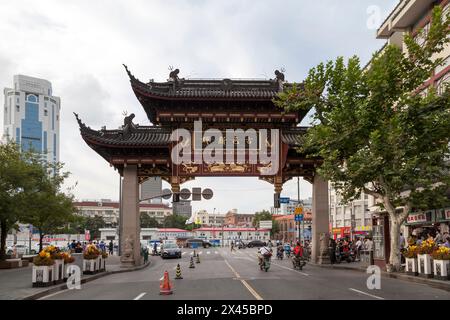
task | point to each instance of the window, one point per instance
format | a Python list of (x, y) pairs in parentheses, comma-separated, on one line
[(422, 35), (446, 10), (358, 222), (445, 64), (443, 84), (45, 112), (17, 108)]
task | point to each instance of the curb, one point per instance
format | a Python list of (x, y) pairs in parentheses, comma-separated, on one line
[(399, 276), (85, 280)]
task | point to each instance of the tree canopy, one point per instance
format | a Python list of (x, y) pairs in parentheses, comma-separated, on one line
[(375, 129)]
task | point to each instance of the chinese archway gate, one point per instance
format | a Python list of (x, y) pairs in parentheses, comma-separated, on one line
[(139, 152)]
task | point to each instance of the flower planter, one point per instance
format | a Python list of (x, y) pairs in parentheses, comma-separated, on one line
[(102, 264), (425, 264), (411, 266), (58, 271), (441, 269), (42, 276), (90, 266), (66, 270)]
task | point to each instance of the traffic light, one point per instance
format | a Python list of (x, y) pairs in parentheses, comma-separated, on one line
[(276, 200)]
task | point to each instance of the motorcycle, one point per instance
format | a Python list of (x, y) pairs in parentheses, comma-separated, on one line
[(264, 263), (298, 262), (343, 256), (279, 254)]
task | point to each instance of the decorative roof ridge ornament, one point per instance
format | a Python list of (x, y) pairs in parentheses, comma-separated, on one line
[(80, 123), (280, 78), (128, 126), (130, 75), (173, 77)]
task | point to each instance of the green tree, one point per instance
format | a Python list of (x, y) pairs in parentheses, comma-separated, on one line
[(266, 215), (375, 133), (94, 224), (47, 208), (148, 222), (175, 221), (14, 170)]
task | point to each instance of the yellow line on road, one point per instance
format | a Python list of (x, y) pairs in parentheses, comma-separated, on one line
[(249, 288)]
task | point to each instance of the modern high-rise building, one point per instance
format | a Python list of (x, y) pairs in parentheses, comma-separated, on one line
[(32, 115)]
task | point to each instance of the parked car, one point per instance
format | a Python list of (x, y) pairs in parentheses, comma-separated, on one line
[(241, 244), (190, 243), (170, 250), (256, 244), (20, 249)]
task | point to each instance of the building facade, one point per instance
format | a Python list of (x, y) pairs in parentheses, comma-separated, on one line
[(233, 218), (109, 210), (32, 115), (206, 219), (409, 17), (225, 235), (350, 219), (183, 207)]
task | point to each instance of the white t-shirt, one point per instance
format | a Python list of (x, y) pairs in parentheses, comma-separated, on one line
[(264, 250)]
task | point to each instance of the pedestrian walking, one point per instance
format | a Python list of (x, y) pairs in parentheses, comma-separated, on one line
[(232, 246), (111, 248)]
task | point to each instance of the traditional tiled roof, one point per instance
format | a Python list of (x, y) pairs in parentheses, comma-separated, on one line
[(140, 136), (230, 89), (293, 136), (152, 136)]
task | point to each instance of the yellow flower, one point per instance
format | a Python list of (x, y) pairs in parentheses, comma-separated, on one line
[(42, 254)]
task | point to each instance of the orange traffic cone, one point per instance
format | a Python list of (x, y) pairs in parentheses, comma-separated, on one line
[(165, 286)]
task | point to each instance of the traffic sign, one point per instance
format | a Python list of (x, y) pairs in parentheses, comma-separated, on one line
[(299, 210), (299, 217), (166, 194), (265, 224), (284, 199), (207, 194), (185, 194)]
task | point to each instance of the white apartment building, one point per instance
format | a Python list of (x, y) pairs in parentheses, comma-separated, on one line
[(109, 210), (31, 116), (208, 219), (409, 17), (351, 218)]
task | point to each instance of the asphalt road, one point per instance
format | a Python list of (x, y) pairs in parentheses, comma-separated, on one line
[(225, 275)]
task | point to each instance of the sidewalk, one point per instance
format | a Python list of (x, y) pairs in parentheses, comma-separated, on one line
[(15, 284), (360, 267)]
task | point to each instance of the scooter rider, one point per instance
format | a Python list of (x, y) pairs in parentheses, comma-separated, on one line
[(263, 252), (298, 252)]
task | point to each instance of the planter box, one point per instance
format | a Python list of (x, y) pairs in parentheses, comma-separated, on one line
[(42, 276), (425, 265), (411, 266), (66, 270), (441, 269), (102, 264), (58, 271), (90, 266)]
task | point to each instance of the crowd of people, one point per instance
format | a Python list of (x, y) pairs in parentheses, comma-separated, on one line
[(344, 247), (79, 247)]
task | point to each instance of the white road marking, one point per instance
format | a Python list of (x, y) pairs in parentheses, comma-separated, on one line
[(192, 253), (367, 294), (140, 296), (208, 252), (290, 269), (183, 253), (215, 252), (249, 288)]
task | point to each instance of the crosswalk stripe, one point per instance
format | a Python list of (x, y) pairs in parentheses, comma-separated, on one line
[(200, 252), (192, 253), (183, 253), (215, 252), (208, 252)]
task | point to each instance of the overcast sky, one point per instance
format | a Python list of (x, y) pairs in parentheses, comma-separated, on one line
[(80, 46)]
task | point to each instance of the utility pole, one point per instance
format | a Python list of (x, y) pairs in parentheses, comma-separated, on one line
[(120, 216)]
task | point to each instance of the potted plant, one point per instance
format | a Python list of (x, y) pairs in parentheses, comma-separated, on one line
[(43, 272), (68, 260), (58, 271), (91, 260), (410, 255), (441, 263), (103, 256), (425, 261)]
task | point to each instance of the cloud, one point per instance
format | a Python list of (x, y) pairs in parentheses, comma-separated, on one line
[(80, 45)]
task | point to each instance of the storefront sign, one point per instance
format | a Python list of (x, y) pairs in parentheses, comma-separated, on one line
[(417, 218), (378, 242), (363, 228)]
